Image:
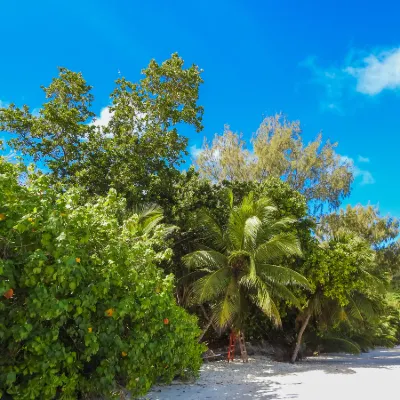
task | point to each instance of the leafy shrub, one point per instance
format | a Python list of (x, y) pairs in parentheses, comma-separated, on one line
[(84, 310)]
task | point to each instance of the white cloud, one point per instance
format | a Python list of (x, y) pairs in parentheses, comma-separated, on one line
[(216, 154), (362, 159), (365, 176), (359, 73), (195, 151), (331, 80), (377, 72), (139, 120), (105, 117)]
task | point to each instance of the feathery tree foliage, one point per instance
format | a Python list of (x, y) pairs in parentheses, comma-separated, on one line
[(365, 222), (315, 169), (242, 262)]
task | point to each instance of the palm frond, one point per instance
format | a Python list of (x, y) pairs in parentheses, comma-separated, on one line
[(265, 209), (148, 210), (282, 275), (281, 245), (230, 197), (252, 227), (243, 254), (205, 259), (339, 314), (150, 216), (283, 292), (149, 224), (210, 286), (275, 316), (316, 303), (212, 232), (282, 224), (262, 298), (235, 230), (365, 306), (373, 281), (225, 311), (271, 227), (346, 344), (268, 307), (354, 310)]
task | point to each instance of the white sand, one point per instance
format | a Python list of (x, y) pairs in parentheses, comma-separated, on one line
[(375, 375)]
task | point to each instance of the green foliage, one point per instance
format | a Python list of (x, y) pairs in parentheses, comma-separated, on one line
[(138, 151), (341, 267), (89, 311), (289, 202), (347, 297), (136, 154), (57, 134), (378, 329), (241, 262), (85, 308), (313, 169), (365, 222)]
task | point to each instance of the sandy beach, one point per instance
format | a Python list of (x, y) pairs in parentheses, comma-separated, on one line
[(373, 375)]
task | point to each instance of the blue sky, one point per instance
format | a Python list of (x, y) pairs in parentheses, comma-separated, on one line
[(334, 65)]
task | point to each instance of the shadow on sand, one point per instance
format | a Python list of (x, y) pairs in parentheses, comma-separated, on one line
[(262, 378)]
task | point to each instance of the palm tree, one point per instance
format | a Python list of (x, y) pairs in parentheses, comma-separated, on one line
[(360, 308), (358, 305), (241, 263), (146, 218)]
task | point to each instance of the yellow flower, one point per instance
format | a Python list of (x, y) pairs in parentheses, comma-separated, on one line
[(2, 217), (77, 259), (110, 312), (30, 219), (124, 354), (90, 330)]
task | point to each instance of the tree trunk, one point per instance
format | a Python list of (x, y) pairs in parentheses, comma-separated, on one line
[(216, 328), (243, 349), (205, 330), (300, 337)]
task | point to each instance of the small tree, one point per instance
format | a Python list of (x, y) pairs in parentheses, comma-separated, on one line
[(340, 272), (241, 263), (278, 150), (137, 152)]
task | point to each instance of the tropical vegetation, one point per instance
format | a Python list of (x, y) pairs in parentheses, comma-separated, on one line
[(119, 264)]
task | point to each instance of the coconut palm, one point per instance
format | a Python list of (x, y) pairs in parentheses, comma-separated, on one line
[(241, 263), (145, 219), (360, 308), (357, 305)]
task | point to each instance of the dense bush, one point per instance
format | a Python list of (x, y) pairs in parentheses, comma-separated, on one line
[(84, 309)]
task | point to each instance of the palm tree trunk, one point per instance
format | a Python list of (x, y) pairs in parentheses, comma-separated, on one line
[(209, 318), (205, 330), (300, 337), (243, 349)]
